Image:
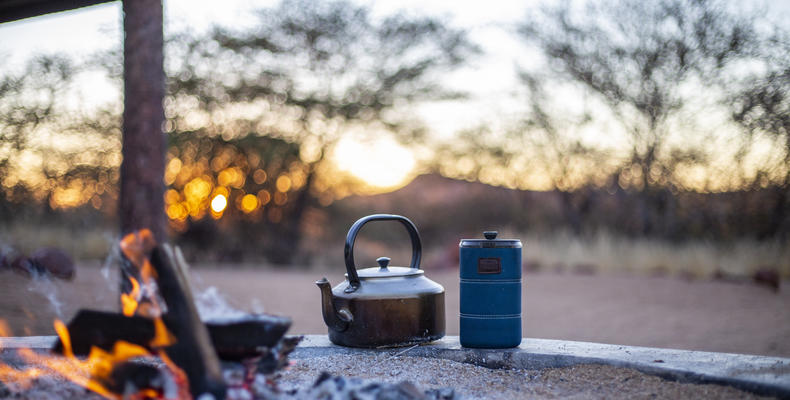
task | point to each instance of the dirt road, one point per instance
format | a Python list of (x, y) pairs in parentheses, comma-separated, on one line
[(631, 310)]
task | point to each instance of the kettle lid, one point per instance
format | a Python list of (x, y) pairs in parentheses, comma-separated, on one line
[(385, 271)]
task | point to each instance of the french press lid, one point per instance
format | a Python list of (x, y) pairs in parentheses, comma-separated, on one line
[(491, 241)]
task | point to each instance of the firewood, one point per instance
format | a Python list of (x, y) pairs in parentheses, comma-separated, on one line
[(192, 351), (239, 338), (233, 339), (133, 376), (102, 329)]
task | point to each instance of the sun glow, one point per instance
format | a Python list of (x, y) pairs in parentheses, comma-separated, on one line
[(380, 163)]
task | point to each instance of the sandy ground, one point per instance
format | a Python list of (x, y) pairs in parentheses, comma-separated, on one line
[(631, 310)]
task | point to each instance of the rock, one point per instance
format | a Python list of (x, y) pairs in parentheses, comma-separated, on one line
[(22, 265), (767, 276), (585, 269), (55, 261)]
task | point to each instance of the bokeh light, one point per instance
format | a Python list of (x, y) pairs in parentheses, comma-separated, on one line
[(218, 203), (249, 203)]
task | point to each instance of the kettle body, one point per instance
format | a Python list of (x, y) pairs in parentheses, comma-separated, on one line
[(386, 306), (490, 291)]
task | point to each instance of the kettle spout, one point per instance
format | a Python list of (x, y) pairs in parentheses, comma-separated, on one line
[(337, 320)]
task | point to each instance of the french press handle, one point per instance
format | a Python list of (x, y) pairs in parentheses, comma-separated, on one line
[(414, 235)]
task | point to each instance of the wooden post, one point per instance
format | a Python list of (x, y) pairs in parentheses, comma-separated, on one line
[(142, 188)]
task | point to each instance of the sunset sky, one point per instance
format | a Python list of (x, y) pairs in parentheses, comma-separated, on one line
[(490, 78)]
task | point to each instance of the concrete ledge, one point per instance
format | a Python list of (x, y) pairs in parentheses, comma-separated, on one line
[(758, 374)]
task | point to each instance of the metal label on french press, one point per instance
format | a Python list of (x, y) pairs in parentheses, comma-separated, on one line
[(489, 266)]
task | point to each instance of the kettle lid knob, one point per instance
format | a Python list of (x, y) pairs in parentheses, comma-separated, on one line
[(383, 262), (490, 235)]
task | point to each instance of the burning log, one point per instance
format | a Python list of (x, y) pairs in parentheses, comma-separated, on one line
[(103, 329), (239, 338), (134, 377), (160, 318), (232, 339), (192, 351)]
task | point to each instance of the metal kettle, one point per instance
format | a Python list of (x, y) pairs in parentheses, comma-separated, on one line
[(386, 305)]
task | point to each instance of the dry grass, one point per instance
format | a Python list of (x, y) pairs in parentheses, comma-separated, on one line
[(82, 243), (698, 259), (601, 253)]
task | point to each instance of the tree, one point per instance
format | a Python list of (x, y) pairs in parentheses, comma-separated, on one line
[(761, 104), (29, 100), (51, 153), (253, 116), (310, 74), (654, 71)]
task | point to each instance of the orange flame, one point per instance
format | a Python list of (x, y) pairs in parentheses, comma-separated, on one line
[(97, 368), (92, 373), (5, 330), (162, 337), (88, 373), (129, 301), (135, 247)]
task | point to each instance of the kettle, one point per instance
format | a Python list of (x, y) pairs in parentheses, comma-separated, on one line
[(384, 306)]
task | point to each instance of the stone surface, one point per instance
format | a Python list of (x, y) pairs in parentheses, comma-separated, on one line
[(472, 382), (756, 374)]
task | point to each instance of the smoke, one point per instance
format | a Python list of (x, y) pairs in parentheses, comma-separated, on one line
[(43, 285), (212, 305)]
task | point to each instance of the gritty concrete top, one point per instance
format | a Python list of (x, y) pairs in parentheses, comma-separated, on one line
[(757, 374)]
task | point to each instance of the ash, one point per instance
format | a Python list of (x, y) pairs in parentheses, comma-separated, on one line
[(338, 387), (47, 388)]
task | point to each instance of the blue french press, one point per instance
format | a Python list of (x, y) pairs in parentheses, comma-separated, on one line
[(490, 292)]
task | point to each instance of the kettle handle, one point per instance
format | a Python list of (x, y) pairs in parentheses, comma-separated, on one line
[(414, 235)]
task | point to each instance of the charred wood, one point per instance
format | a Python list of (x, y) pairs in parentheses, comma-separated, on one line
[(233, 339), (277, 358), (192, 351), (237, 339), (132, 376), (103, 329)]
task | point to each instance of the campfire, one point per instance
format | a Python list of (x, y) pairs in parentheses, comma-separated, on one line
[(158, 347)]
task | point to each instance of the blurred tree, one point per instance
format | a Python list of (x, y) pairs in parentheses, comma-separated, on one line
[(310, 74), (50, 152), (28, 100), (761, 104), (656, 71), (252, 116)]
